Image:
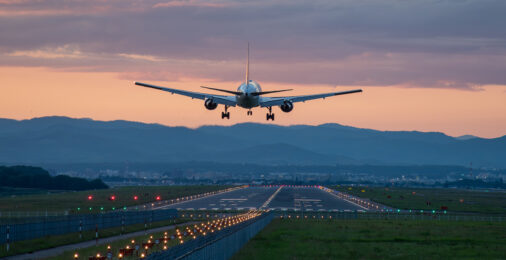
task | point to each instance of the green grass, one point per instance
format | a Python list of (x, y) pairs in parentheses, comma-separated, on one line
[(26, 246), (71, 201), (377, 239), (492, 202)]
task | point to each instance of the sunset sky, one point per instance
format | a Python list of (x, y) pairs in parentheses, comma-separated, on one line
[(423, 65)]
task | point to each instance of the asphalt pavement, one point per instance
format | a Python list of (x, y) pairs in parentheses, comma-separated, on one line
[(288, 198)]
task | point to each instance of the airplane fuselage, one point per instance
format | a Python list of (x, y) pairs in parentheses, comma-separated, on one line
[(247, 99)]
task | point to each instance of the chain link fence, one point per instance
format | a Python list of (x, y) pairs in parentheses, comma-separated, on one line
[(389, 216), (46, 226)]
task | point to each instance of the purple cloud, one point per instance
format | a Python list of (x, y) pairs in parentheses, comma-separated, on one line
[(447, 44)]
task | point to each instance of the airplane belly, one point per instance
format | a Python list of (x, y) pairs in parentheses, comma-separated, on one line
[(247, 101)]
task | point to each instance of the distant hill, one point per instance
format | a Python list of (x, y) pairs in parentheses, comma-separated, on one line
[(66, 140), (36, 177), (465, 137)]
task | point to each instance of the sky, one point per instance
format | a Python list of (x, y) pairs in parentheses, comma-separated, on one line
[(430, 65)]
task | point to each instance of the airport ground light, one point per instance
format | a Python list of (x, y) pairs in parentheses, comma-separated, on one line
[(141, 247), (86, 202), (25, 246)]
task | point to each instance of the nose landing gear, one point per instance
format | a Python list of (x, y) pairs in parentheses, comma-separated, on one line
[(225, 114), (250, 113), (270, 115)]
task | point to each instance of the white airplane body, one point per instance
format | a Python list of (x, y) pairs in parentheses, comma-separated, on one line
[(248, 95)]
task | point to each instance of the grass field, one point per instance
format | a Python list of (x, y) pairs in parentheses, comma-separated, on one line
[(78, 202), (377, 239), (491, 202)]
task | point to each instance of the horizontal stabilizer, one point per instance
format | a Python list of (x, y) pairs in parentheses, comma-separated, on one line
[(223, 90), (269, 92)]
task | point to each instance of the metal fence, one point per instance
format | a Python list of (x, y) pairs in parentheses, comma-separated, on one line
[(220, 245), (387, 216), (41, 227)]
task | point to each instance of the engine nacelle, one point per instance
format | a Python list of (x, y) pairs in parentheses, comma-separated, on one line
[(286, 107), (210, 105)]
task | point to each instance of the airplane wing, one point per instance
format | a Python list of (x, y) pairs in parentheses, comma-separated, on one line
[(276, 101), (219, 99)]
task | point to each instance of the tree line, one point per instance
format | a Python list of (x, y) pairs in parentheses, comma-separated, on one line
[(36, 177)]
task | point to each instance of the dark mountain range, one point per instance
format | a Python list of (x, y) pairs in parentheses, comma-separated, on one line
[(66, 140)]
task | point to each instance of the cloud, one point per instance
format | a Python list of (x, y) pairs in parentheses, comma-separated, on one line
[(192, 3), (141, 57), (441, 44), (62, 52)]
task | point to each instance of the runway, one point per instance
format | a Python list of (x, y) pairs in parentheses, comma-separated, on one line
[(273, 198)]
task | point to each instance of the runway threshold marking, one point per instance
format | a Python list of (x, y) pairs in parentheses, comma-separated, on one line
[(271, 197)]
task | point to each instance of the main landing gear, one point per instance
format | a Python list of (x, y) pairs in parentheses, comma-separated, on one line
[(225, 114), (250, 113), (270, 115)]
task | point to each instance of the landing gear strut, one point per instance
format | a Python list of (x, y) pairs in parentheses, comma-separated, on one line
[(250, 113), (225, 114), (270, 115)]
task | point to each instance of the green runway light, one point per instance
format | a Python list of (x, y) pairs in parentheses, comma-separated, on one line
[(90, 208), (113, 208), (433, 211), (78, 209), (124, 207), (101, 208), (421, 210), (398, 210)]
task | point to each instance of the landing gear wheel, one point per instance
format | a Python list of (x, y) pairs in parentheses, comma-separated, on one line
[(270, 115), (250, 113), (225, 114)]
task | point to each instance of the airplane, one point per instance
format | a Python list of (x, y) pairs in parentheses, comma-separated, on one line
[(248, 95)]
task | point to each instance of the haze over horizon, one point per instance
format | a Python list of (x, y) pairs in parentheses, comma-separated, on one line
[(466, 136), (432, 66)]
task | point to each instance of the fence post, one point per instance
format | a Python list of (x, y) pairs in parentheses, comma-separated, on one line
[(96, 234), (8, 237), (122, 223), (80, 229), (145, 226)]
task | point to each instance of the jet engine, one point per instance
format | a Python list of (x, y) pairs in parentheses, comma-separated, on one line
[(210, 105), (286, 107)]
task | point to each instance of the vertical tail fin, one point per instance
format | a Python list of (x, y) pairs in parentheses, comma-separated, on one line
[(247, 67)]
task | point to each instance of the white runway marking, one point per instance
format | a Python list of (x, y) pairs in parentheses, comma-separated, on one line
[(271, 197)]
